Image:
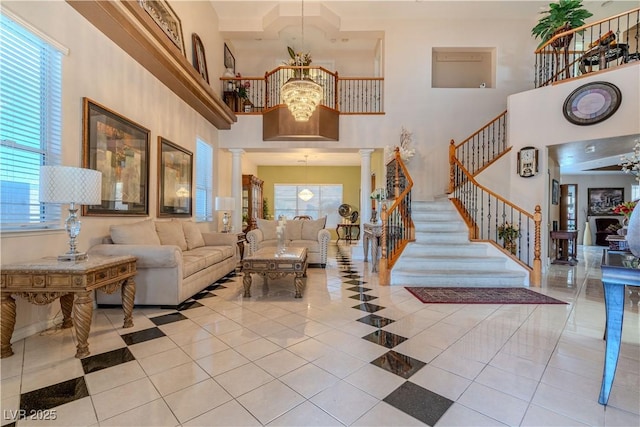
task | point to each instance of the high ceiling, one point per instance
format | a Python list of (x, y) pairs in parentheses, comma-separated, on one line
[(273, 24)]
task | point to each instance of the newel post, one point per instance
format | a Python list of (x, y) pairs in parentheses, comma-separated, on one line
[(384, 275), (536, 274), (452, 155)]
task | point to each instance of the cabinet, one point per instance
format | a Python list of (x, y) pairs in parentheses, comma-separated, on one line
[(251, 200)]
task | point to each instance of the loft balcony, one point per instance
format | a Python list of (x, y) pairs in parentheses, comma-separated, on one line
[(341, 95)]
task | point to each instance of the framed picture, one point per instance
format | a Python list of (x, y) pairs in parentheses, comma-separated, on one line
[(199, 59), (555, 192), (119, 148), (229, 60), (175, 167), (167, 20), (603, 200)]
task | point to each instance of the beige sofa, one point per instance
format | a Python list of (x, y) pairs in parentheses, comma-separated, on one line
[(175, 259), (310, 234)]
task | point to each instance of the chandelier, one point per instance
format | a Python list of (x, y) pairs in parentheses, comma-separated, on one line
[(306, 194), (631, 164), (301, 94)]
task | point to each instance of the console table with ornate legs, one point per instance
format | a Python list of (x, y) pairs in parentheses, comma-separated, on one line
[(42, 281)]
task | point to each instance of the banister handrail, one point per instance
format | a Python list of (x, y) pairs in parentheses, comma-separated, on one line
[(470, 137), (606, 43), (583, 27), (490, 192), (397, 225)]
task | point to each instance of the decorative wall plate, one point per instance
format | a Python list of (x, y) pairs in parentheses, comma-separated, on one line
[(592, 103)]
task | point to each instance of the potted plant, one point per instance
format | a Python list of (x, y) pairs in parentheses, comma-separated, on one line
[(561, 16), (509, 233)]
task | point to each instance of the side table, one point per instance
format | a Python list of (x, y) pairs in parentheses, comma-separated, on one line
[(44, 280), (347, 232), (566, 244), (372, 233)]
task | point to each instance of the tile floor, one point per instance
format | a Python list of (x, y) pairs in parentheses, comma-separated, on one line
[(348, 353)]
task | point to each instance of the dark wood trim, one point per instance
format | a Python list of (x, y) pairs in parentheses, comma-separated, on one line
[(132, 29)]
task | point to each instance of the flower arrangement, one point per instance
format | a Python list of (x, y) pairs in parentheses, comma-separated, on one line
[(243, 89), (632, 164), (406, 152), (508, 232), (298, 59), (379, 194), (625, 208)]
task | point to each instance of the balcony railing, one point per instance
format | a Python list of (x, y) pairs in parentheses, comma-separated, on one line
[(347, 95), (604, 44)]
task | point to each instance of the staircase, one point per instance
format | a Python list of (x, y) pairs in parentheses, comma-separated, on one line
[(442, 254)]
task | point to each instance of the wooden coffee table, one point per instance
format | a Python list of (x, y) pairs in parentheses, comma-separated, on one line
[(44, 280), (271, 263)]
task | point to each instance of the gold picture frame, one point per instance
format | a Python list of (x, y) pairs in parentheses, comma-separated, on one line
[(119, 149), (175, 180)]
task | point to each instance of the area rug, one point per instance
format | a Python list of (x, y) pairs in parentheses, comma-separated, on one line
[(459, 295)]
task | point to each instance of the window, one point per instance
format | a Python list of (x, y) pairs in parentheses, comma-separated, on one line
[(635, 192), (30, 126), (325, 201), (204, 181)]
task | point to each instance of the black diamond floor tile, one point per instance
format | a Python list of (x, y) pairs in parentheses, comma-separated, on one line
[(384, 338), (399, 364), (95, 363), (419, 402), (359, 289), (215, 286), (201, 295), (53, 395), (368, 307), (355, 282), (363, 297), (142, 336), (189, 304), (352, 276), (168, 318), (375, 320)]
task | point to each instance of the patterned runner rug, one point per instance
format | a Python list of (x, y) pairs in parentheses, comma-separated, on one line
[(447, 295)]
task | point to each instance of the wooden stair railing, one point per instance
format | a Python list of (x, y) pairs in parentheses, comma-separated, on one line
[(482, 148), (603, 44), (397, 225), (487, 213)]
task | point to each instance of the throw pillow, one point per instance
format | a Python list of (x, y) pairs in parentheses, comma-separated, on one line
[(268, 228), (310, 228), (137, 233), (170, 233), (293, 229), (192, 235)]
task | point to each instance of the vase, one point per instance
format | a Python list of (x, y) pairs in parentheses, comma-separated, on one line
[(633, 232), (511, 246), (586, 238)]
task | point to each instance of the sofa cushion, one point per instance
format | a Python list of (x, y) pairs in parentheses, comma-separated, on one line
[(137, 233), (310, 228), (192, 235), (293, 229), (268, 228), (170, 233)]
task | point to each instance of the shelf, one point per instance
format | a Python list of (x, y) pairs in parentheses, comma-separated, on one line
[(131, 28)]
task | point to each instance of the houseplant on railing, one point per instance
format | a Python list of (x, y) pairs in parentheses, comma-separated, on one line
[(561, 16), (299, 60), (509, 233)]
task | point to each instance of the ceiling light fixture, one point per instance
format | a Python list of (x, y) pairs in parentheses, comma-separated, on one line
[(301, 94), (306, 194)]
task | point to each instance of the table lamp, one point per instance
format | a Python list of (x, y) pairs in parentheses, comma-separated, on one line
[(65, 184), (225, 204)]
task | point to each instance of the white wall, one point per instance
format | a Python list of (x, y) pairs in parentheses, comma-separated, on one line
[(98, 69), (434, 116)]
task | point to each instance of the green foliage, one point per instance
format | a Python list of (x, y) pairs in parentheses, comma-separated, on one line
[(508, 232), (565, 14)]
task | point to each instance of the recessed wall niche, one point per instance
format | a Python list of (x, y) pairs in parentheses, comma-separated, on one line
[(463, 67)]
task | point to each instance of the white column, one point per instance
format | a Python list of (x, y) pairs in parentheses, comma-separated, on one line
[(236, 187), (365, 187)]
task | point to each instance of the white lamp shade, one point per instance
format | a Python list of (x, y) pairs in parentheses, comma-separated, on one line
[(225, 203), (65, 184)]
